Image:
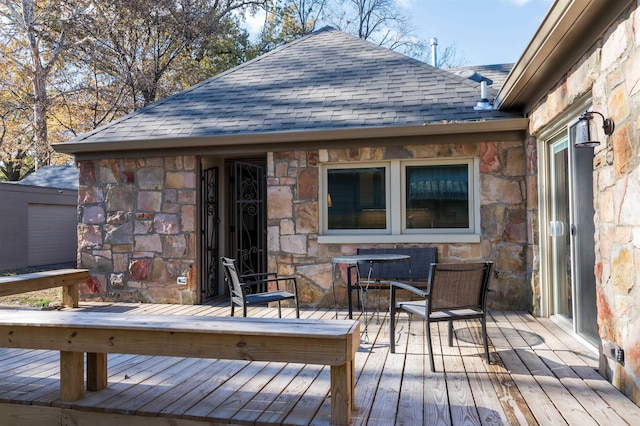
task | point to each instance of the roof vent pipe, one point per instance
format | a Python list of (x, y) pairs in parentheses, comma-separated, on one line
[(483, 103), (434, 51)]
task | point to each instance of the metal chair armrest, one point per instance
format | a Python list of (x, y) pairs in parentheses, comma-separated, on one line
[(259, 276), (275, 279), (404, 286)]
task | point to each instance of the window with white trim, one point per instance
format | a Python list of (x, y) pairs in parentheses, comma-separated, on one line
[(409, 198)]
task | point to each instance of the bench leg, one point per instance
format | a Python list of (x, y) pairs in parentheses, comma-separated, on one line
[(71, 375), (342, 381), (96, 371), (71, 295)]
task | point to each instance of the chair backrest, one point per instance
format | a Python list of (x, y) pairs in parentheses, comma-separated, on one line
[(231, 273), (416, 269), (458, 286)]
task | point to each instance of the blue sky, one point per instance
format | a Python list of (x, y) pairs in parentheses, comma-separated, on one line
[(483, 32)]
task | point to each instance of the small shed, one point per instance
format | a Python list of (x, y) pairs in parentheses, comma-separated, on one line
[(38, 219)]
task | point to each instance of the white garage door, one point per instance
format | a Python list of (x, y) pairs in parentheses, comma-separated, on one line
[(52, 234)]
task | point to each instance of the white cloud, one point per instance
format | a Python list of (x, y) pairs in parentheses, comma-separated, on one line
[(253, 23), (405, 4)]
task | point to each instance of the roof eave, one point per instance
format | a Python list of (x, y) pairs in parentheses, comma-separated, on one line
[(293, 137), (568, 30)]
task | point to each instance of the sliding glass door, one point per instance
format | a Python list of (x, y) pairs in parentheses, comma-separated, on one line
[(571, 235)]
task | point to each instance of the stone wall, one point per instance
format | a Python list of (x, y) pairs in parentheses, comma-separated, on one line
[(611, 72), (293, 221), (137, 230)]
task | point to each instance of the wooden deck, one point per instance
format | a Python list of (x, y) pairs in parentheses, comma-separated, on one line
[(539, 375)]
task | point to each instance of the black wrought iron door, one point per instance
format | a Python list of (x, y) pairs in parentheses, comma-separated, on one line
[(248, 216), (210, 218)]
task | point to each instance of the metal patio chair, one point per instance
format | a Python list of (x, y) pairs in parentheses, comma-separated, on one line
[(239, 285), (456, 291)]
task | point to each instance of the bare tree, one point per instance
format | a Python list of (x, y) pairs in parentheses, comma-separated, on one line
[(139, 42), (379, 21), (308, 13), (36, 35)]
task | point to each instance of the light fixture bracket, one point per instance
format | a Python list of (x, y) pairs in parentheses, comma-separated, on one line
[(607, 123)]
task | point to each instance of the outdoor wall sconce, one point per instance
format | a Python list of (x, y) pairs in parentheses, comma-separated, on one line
[(583, 133)]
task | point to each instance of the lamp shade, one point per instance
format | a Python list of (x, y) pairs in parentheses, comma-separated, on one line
[(583, 133)]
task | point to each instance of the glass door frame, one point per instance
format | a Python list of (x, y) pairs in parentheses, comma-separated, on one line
[(562, 252), (557, 131)]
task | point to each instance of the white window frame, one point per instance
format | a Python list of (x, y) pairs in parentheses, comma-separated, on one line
[(472, 196), (396, 232), (324, 197)]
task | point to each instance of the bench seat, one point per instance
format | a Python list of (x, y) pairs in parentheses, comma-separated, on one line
[(68, 279), (324, 342)]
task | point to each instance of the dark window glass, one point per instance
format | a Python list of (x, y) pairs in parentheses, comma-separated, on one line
[(356, 198), (437, 196)]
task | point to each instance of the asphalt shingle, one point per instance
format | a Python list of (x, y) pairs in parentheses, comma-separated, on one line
[(328, 80)]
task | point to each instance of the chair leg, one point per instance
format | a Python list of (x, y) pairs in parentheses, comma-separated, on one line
[(392, 330), (485, 338), (232, 308), (450, 333), (244, 309), (427, 326), (279, 309), (297, 309)]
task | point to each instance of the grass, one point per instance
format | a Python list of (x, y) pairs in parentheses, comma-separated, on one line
[(35, 299)]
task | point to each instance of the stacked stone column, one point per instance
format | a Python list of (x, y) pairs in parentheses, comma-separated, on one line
[(137, 228)]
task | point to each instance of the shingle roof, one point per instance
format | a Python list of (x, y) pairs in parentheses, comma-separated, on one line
[(496, 73), (328, 80), (65, 177)]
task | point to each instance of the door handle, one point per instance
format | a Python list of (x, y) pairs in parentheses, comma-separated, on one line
[(556, 228)]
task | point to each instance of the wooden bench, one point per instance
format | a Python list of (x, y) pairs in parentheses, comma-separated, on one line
[(376, 276), (324, 342), (68, 279)]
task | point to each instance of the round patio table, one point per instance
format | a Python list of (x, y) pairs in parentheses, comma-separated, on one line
[(352, 262)]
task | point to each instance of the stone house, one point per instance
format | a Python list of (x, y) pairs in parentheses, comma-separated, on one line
[(586, 56), (330, 143)]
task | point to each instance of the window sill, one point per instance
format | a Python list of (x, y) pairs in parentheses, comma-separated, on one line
[(404, 238)]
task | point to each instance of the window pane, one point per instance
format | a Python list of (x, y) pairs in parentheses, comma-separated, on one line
[(437, 196), (356, 198)]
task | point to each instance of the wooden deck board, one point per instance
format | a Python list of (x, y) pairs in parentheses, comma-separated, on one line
[(369, 364), (543, 409), (486, 399), (539, 375), (461, 404), (263, 393), (410, 405), (385, 402)]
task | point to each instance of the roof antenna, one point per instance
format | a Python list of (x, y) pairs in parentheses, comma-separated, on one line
[(483, 103), (434, 51)]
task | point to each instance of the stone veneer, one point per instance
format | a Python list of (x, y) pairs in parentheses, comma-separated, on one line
[(137, 229), (611, 72), (292, 194)]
